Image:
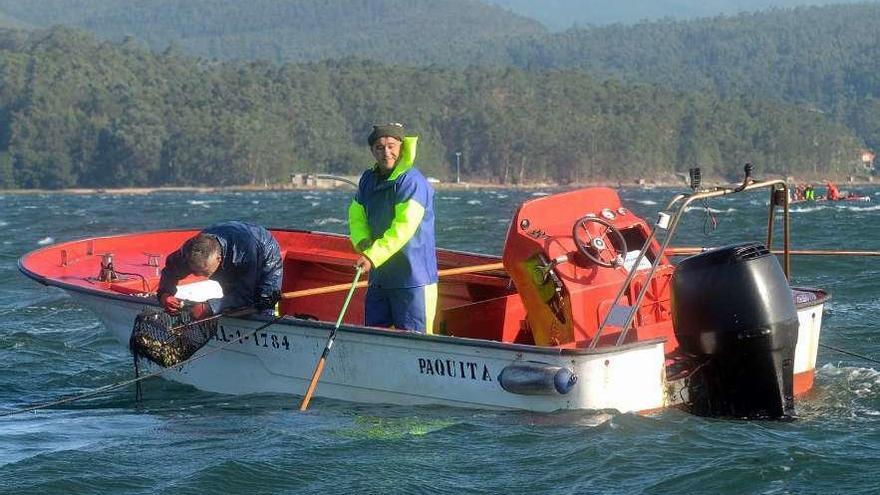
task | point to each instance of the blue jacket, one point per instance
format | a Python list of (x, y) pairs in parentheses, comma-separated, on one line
[(250, 266), (394, 215)]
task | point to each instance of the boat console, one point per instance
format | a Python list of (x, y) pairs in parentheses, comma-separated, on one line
[(570, 253)]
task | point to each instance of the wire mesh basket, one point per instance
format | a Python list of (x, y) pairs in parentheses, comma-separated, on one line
[(169, 340)]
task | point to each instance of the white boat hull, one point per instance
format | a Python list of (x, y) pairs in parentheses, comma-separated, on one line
[(383, 366), (807, 348)]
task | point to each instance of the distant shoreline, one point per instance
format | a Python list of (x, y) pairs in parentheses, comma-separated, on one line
[(437, 185), (288, 188)]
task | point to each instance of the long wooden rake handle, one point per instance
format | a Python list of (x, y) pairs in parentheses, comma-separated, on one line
[(319, 368), (341, 287)]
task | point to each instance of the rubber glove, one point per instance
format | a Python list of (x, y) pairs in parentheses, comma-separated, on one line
[(200, 311), (267, 301), (171, 304)]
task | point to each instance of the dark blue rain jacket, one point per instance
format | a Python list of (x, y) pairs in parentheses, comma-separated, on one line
[(250, 267)]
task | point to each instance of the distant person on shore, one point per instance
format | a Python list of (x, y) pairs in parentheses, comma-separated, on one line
[(391, 222), (243, 258)]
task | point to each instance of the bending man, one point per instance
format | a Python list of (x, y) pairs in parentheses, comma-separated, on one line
[(391, 221), (243, 258)]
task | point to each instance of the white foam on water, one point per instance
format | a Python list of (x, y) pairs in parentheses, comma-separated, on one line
[(255, 201), (3, 224), (315, 203), (539, 193), (645, 202), (862, 382), (807, 209), (474, 202), (711, 210), (863, 208), (45, 240), (450, 198), (326, 221)]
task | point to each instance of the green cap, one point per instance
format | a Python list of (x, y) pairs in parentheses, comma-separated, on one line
[(395, 130)]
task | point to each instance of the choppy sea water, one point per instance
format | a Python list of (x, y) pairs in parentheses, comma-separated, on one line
[(181, 440)]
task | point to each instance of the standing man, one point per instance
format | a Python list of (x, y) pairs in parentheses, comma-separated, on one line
[(832, 193), (243, 258), (391, 221)]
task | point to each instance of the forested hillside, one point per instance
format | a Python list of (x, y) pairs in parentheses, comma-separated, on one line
[(75, 111), (821, 58), (414, 31), (562, 14), (8, 22), (825, 58)]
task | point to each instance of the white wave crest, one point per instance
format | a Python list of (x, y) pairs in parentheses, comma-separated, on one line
[(807, 209), (474, 202), (326, 221), (711, 210), (45, 240), (863, 208)]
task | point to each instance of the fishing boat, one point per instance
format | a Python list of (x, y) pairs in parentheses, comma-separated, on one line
[(843, 200), (844, 197), (585, 309)]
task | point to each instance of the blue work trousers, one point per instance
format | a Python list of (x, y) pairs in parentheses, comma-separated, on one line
[(410, 308)]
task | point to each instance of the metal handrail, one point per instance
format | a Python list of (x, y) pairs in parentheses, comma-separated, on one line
[(670, 232)]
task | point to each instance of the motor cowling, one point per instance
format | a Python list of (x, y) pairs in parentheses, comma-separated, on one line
[(733, 310)]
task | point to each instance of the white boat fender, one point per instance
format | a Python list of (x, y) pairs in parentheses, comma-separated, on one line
[(533, 378)]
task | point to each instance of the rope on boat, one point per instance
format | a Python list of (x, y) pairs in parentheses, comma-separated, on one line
[(842, 351), (117, 385)]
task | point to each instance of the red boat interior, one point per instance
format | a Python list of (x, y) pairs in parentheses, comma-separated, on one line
[(557, 286)]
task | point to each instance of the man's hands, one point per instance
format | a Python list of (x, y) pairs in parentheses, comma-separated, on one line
[(200, 311), (171, 304), (267, 301), (364, 264)]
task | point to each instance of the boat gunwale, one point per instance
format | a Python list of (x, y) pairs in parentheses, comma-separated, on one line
[(196, 229), (41, 278), (822, 297), (361, 329)]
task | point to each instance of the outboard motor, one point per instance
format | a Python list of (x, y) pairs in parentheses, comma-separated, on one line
[(733, 309)]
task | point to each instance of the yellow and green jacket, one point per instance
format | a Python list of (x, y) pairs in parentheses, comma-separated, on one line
[(394, 216)]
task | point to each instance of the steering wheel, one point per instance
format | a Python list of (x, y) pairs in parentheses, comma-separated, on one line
[(598, 248)]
